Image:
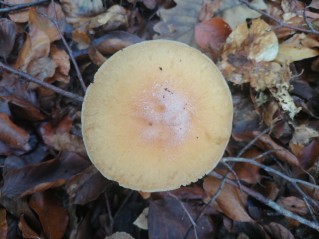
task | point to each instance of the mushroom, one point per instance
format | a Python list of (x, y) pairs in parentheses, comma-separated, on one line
[(158, 116)]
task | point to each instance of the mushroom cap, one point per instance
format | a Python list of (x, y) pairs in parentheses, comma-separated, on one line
[(158, 116)]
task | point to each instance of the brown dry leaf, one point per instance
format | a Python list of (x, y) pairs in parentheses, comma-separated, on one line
[(86, 14), (86, 186), (282, 153), (3, 223), (8, 35), (62, 60), (229, 201), (36, 45), (23, 109), (211, 34), (120, 235), (114, 17), (298, 47), (141, 221), (178, 23), (41, 20), (27, 231), (81, 38), (42, 69), (293, 204), (246, 120), (19, 16), (20, 180), (308, 156), (247, 57), (13, 135), (247, 172), (59, 136), (256, 42), (80, 8), (235, 13), (301, 137), (167, 219), (114, 41), (277, 231), (96, 57), (53, 217)]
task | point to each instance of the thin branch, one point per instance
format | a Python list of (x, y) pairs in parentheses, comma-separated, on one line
[(187, 212), (16, 7), (259, 197), (76, 67), (41, 83), (270, 170), (279, 22)]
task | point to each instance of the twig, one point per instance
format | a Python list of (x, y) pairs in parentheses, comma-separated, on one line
[(279, 22), (269, 169), (76, 67), (16, 7), (270, 203), (41, 83), (243, 150), (188, 214)]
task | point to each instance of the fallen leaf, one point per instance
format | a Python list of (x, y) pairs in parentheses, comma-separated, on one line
[(211, 34), (178, 23), (60, 138), (12, 134), (114, 41), (3, 223), (296, 48), (86, 186), (282, 153), (36, 45), (42, 19), (8, 35), (229, 201), (42, 69), (257, 41), (246, 120), (301, 137), (308, 156), (235, 13), (81, 8), (19, 16), (141, 221), (27, 231), (61, 59), (120, 235), (168, 219), (28, 179), (23, 109), (53, 217), (247, 172), (278, 231), (293, 204)]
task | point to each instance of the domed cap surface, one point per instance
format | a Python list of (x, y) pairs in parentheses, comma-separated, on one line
[(158, 116)]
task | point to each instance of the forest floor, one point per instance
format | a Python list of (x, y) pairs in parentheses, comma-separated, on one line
[(265, 186)]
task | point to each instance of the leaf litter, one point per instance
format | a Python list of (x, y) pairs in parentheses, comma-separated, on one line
[(268, 53)]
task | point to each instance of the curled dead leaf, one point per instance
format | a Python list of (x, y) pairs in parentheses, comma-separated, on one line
[(229, 201), (8, 35), (293, 204), (178, 23), (282, 153), (53, 217), (211, 34), (12, 134), (27, 231)]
